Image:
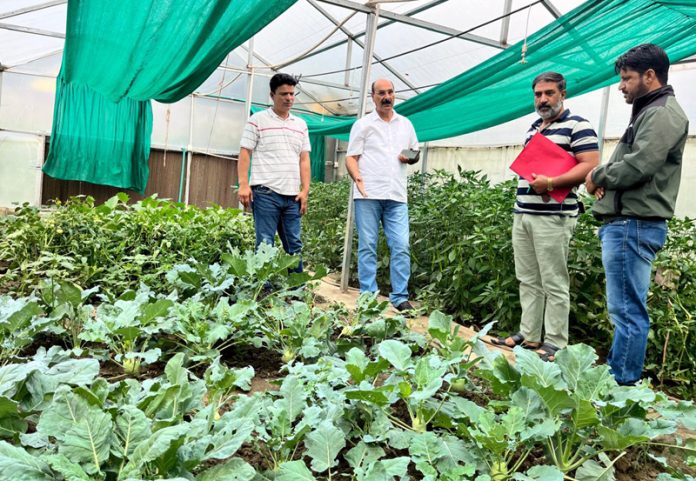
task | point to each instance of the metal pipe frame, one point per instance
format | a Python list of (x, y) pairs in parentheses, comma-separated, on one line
[(386, 65), (33, 8), (371, 28)]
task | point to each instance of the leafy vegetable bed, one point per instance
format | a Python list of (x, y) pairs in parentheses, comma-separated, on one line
[(462, 264), (228, 369)]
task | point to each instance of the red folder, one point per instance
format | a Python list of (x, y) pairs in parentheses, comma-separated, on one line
[(541, 156)]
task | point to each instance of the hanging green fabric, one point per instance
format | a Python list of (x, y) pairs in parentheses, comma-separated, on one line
[(316, 157), (119, 56), (582, 45)]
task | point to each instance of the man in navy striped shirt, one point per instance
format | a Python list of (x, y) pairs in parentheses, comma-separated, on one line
[(542, 227)]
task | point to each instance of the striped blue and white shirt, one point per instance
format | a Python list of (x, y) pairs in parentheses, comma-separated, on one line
[(574, 135)]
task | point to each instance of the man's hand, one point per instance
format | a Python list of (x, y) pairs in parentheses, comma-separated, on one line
[(245, 195), (302, 199), (403, 159), (360, 185), (540, 183), (593, 188), (589, 185)]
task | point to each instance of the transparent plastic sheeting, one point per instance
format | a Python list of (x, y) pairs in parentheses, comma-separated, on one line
[(117, 59), (21, 156), (582, 45)]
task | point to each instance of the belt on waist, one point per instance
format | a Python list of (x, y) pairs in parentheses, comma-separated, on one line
[(610, 218)]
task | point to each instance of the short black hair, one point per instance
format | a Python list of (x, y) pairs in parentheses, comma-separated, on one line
[(644, 57), (550, 77), (282, 79)]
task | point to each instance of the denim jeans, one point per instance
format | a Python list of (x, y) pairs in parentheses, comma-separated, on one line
[(273, 213), (394, 218), (629, 246)]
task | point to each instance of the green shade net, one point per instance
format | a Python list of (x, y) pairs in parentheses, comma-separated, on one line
[(582, 45), (118, 56)]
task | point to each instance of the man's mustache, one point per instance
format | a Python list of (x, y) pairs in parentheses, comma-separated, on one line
[(386, 102)]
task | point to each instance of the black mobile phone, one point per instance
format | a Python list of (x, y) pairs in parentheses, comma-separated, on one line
[(411, 155)]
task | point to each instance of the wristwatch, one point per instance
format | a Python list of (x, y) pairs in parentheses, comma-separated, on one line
[(549, 184)]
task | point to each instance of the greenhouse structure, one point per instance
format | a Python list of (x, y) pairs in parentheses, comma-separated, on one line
[(146, 334)]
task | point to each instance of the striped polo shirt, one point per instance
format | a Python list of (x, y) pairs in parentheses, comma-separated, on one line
[(276, 145), (574, 135)]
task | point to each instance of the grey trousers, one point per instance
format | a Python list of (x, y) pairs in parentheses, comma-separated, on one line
[(541, 244)]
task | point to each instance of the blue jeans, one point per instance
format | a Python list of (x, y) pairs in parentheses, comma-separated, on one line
[(629, 246), (275, 212), (394, 218)]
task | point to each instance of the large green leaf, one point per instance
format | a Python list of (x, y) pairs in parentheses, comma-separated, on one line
[(454, 452), (591, 470), (323, 445), (614, 440), (88, 441), (388, 469), (396, 352), (13, 374), (356, 362), (69, 470), (230, 438), (235, 469), (585, 414), (151, 311), (530, 402), (83, 432), (439, 326), (554, 400), (375, 396), (18, 465), (573, 361), (294, 396), (362, 455), (294, 471), (426, 447), (153, 447), (428, 377), (132, 428), (594, 383), (540, 473), (544, 374)]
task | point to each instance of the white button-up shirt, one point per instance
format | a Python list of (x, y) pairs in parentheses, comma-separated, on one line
[(379, 144)]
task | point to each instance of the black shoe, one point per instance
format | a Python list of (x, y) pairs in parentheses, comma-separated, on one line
[(404, 306)]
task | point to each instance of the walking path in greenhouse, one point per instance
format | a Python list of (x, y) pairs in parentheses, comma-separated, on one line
[(330, 289)]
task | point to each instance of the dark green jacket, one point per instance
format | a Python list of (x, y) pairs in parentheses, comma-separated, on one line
[(642, 176)]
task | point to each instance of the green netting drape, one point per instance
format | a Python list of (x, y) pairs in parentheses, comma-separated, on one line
[(582, 45), (118, 56), (316, 157)]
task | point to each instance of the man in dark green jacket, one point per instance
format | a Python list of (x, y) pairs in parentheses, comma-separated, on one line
[(636, 192)]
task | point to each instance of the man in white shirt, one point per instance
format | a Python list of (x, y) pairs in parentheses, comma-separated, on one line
[(375, 163), (280, 174)]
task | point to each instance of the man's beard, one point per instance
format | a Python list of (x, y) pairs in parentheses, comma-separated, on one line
[(549, 111)]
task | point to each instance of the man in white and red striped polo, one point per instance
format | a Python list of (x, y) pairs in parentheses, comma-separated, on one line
[(278, 188)]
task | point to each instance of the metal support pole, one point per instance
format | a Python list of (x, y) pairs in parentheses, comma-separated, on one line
[(424, 160), (371, 29), (349, 57), (249, 94), (505, 24), (189, 155), (602, 127), (334, 166)]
